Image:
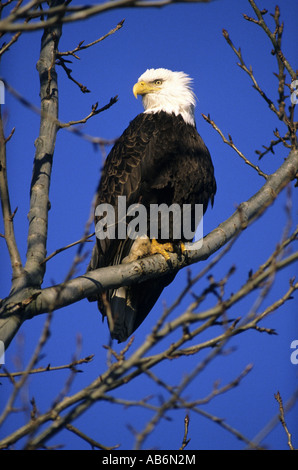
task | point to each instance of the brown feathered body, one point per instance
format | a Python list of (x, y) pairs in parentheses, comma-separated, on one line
[(158, 159)]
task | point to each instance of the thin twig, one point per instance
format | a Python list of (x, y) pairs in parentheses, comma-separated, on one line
[(60, 250), (92, 442), (284, 140), (249, 71), (233, 146), (49, 368), (62, 62), (278, 398), (291, 402), (15, 258), (81, 47), (94, 112), (185, 440)]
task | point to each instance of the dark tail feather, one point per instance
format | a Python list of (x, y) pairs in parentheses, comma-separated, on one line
[(129, 306), (122, 315)]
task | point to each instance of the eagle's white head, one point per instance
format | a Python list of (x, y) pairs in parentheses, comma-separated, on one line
[(164, 90)]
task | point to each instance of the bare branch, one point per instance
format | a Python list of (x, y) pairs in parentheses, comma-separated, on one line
[(49, 368), (275, 38), (92, 442), (45, 144), (276, 419), (284, 140), (185, 440), (93, 112), (15, 258), (249, 71), (62, 62), (10, 135), (233, 146), (278, 398), (81, 47), (60, 250)]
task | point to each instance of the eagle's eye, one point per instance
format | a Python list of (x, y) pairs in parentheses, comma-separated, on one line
[(157, 82)]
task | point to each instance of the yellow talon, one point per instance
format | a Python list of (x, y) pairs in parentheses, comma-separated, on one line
[(161, 248), (182, 247)]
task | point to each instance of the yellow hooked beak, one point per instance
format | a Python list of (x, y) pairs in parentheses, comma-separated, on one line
[(142, 88)]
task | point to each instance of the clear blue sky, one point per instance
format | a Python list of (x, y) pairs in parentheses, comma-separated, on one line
[(179, 37)]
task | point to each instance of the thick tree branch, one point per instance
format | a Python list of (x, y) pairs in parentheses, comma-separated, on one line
[(45, 145)]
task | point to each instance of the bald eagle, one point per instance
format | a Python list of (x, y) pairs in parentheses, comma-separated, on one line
[(160, 158)]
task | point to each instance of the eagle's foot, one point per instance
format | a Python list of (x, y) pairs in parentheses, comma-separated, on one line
[(143, 247), (140, 248), (162, 248)]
